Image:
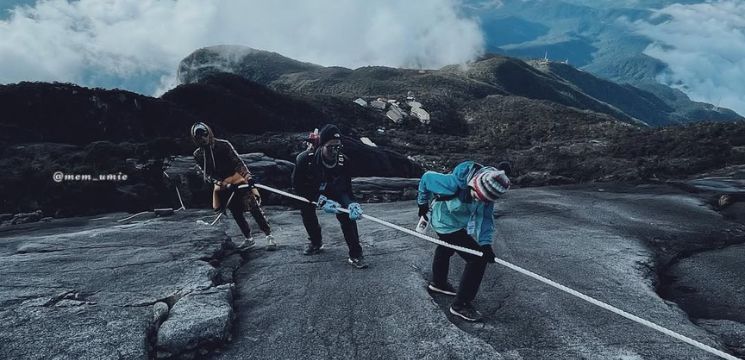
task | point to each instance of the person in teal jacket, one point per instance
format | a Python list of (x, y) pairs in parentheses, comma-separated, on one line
[(462, 214)]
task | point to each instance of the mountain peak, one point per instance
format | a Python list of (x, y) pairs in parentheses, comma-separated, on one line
[(254, 64)]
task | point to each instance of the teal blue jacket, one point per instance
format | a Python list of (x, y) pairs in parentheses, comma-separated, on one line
[(455, 214)]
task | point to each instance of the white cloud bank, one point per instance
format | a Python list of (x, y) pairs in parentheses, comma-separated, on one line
[(704, 47), (137, 44)]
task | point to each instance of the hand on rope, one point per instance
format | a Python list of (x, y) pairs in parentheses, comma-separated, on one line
[(355, 211), (328, 205)]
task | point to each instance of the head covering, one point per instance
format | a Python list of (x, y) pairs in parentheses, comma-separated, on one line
[(199, 130), (313, 139), (489, 184), (328, 132)]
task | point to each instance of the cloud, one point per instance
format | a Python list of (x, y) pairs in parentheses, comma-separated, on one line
[(704, 47), (137, 44)]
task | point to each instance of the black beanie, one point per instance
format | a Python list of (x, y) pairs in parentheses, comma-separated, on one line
[(329, 132)]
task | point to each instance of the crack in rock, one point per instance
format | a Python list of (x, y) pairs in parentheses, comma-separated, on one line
[(199, 321), (68, 298)]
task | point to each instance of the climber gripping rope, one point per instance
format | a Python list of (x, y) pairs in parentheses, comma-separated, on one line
[(320, 172), (234, 188), (305, 182), (462, 214)]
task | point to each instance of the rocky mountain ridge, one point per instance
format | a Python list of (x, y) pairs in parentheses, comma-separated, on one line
[(480, 113), (451, 85)]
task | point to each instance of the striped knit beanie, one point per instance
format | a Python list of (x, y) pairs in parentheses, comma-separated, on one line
[(489, 183)]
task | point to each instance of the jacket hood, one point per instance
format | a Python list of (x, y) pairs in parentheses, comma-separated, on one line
[(198, 128)]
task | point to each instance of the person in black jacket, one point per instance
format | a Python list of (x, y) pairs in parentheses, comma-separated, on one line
[(305, 181), (221, 166), (321, 172)]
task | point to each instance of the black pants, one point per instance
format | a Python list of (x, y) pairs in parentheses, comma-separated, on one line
[(351, 236), (348, 228), (470, 281), (310, 221), (241, 201)]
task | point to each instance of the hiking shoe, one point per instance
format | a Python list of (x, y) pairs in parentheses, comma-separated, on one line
[(247, 244), (358, 262), (466, 311), (313, 249), (271, 245), (446, 289)]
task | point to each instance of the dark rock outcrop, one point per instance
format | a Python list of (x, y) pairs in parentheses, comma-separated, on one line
[(21, 218), (28, 183), (378, 189)]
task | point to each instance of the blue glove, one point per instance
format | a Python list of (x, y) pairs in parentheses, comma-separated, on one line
[(329, 206), (355, 211)]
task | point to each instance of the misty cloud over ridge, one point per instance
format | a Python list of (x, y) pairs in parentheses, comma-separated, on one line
[(129, 43), (704, 48)]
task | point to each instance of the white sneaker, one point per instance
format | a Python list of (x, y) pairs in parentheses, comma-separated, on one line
[(271, 245), (247, 244)]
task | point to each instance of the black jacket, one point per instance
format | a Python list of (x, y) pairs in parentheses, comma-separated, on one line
[(311, 178), (305, 179), (220, 160)]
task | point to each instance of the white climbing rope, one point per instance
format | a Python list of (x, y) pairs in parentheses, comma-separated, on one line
[(382, 222), (618, 311), (133, 216), (535, 276), (178, 193)]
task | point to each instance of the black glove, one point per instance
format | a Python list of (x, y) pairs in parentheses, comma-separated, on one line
[(423, 210), (251, 183), (488, 253)]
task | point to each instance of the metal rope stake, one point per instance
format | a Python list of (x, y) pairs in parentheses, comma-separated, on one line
[(535, 276), (178, 193), (227, 204)]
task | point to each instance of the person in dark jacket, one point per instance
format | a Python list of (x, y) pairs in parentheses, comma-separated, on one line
[(321, 172), (306, 182), (462, 214), (221, 166)]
